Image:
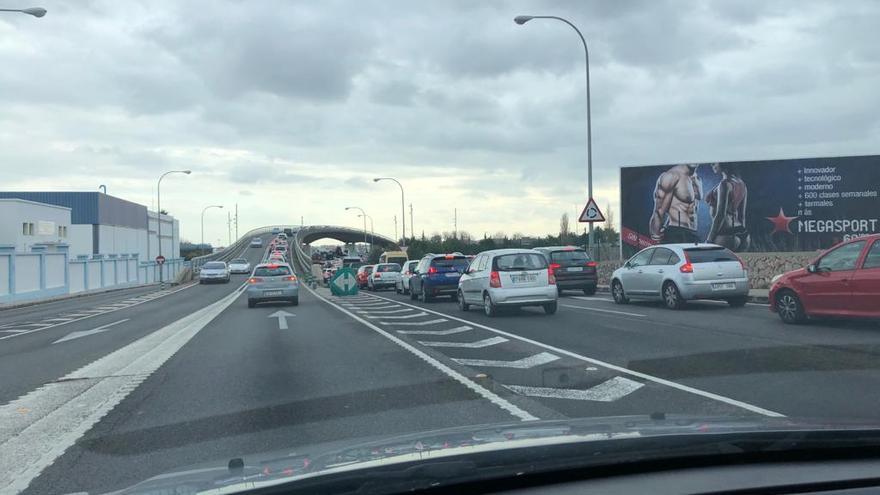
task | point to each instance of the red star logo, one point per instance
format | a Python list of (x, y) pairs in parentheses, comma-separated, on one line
[(780, 222)]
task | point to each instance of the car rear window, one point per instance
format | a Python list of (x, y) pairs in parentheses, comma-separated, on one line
[(519, 261), (457, 262), (214, 265), (710, 255), (271, 271), (573, 255), (280, 248), (391, 267)]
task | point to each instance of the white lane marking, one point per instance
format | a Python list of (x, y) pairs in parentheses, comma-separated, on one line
[(63, 411), (604, 310), (282, 318), (12, 331), (390, 312), (593, 298), (85, 333), (608, 391), (446, 370), (466, 345), (400, 317), (521, 364), (57, 319), (102, 312), (662, 381), (413, 323), (370, 306), (451, 331), (74, 315)]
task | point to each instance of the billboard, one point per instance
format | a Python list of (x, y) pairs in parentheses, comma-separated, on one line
[(761, 206)]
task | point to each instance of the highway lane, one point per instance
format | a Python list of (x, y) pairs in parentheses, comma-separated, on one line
[(33, 358), (746, 354), (243, 386)]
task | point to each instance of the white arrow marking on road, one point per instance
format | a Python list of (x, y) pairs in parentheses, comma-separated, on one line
[(451, 331), (414, 323), (282, 318), (401, 317), (467, 345), (85, 333), (607, 391), (523, 364)]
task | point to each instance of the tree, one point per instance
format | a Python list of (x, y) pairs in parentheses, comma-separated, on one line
[(609, 218), (563, 228)]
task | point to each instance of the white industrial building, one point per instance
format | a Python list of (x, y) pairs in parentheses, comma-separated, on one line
[(25, 224)]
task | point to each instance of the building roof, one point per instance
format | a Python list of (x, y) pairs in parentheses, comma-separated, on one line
[(89, 207)]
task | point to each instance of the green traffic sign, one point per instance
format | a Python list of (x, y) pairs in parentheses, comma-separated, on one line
[(344, 283)]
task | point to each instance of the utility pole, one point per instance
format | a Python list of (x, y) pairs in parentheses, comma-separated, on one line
[(236, 221), (302, 221), (455, 224), (228, 229), (395, 226), (411, 229)]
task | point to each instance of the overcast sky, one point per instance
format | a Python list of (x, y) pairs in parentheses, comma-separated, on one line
[(290, 108)]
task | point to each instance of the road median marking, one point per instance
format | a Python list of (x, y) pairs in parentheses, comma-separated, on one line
[(637, 374), (604, 310), (607, 391), (466, 345), (413, 323), (398, 317), (520, 364), (450, 331)]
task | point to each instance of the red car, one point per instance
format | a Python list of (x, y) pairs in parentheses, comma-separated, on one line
[(844, 281)]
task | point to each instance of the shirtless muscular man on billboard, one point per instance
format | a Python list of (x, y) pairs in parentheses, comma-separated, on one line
[(675, 205)]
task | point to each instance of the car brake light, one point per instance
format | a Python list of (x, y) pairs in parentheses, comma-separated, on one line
[(272, 266), (494, 280), (254, 280), (432, 270), (592, 264), (554, 267), (686, 268), (449, 257), (551, 277), (291, 278), (377, 275)]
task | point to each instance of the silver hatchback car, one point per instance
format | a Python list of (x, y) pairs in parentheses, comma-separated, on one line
[(677, 273), (272, 282), (508, 278)]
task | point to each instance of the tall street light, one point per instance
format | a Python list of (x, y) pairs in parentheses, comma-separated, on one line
[(159, 214), (522, 19), (203, 220), (372, 231), (34, 11), (364, 214), (402, 209)]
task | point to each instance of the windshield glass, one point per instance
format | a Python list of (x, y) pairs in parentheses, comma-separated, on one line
[(596, 219)]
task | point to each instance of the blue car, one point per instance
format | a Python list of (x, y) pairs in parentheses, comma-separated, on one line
[(437, 275)]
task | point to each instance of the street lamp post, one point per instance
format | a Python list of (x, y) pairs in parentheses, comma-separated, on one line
[(402, 209), (372, 231), (159, 215), (203, 220), (34, 11), (522, 19), (364, 214)]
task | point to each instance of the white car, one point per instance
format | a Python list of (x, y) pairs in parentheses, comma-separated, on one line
[(677, 273), (256, 242), (508, 278), (214, 271), (239, 265), (383, 276), (402, 286)]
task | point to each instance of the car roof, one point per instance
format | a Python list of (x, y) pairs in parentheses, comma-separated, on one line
[(261, 265), (497, 252), (559, 248), (442, 255)]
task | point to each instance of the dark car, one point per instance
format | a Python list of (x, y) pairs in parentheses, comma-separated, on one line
[(842, 282), (437, 275), (573, 268)]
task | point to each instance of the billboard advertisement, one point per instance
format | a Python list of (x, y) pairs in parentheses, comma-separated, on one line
[(759, 206)]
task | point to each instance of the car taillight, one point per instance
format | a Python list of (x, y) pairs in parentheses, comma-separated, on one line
[(377, 275), (432, 270), (254, 280), (686, 268), (291, 278), (592, 264), (554, 267), (495, 280), (551, 277)]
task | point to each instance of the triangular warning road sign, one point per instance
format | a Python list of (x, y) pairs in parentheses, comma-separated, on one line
[(591, 213)]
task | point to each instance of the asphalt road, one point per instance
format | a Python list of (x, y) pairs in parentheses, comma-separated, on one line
[(195, 376)]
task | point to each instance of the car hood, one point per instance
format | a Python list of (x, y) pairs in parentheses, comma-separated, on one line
[(604, 438)]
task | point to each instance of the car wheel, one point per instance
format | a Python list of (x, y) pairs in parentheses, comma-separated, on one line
[(461, 304), (252, 303), (789, 307), (454, 297), (201, 282), (412, 295), (550, 308), (617, 293), (396, 289), (559, 290), (488, 307), (737, 302), (423, 296), (672, 297), (294, 301), (590, 292)]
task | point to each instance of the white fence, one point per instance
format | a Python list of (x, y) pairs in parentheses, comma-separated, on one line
[(44, 273)]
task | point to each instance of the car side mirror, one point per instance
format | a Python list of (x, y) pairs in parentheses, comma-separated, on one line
[(628, 264), (811, 268)]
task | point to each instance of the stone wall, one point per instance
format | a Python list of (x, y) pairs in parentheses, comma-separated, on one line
[(762, 266)]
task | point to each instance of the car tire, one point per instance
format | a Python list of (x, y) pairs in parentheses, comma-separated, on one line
[(550, 308), (396, 289), (252, 303), (412, 295), (201, 282), (737, 302), (488, 307), (590, 291), (294, 301), (617, 293), (789, 307), (462, 305), (423, 296), (454, 297), (672, 296), (559, 291)]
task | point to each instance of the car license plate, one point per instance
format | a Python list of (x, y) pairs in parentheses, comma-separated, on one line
[(575, 269), (724, 286), (271, 292), (452, 274), (524, 278)]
